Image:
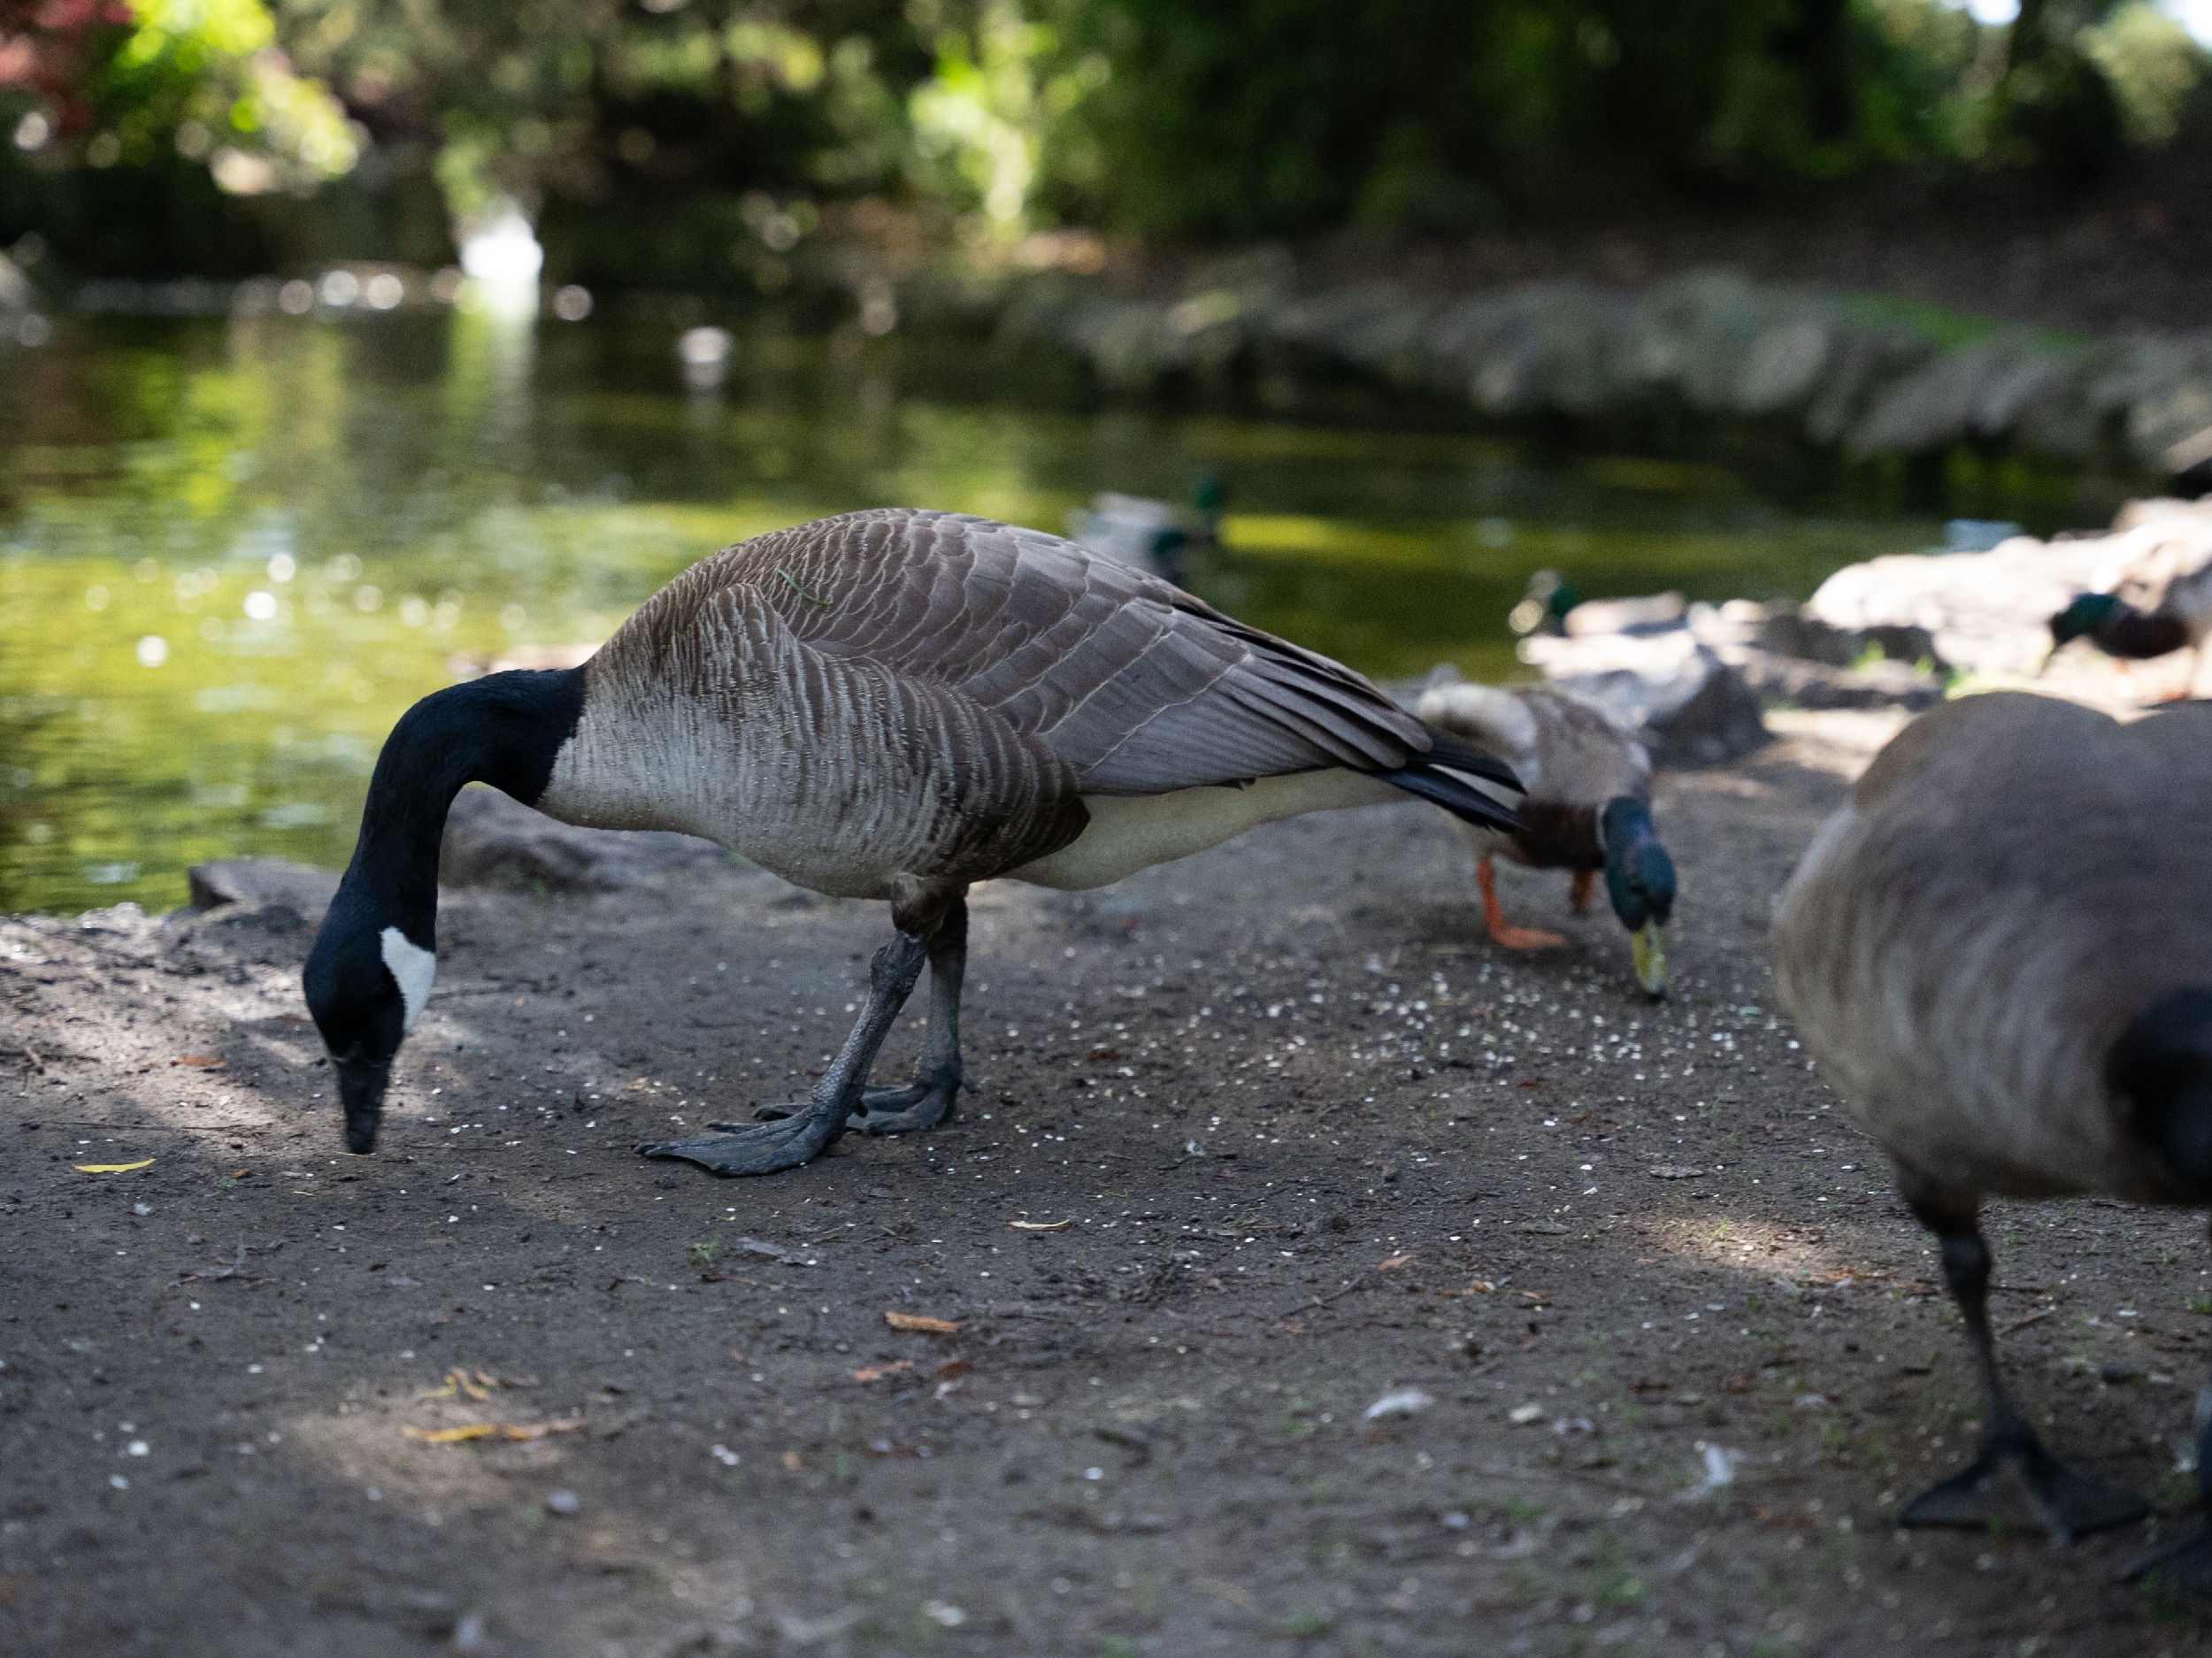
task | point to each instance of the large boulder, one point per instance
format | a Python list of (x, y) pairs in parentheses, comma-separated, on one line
[(255, 883), (493, 841), (1984, 613), (1689, 706)]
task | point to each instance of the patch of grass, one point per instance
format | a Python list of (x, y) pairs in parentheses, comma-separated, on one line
[(703, 1253)]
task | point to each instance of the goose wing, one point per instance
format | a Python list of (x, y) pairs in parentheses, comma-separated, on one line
[(1137, 686)]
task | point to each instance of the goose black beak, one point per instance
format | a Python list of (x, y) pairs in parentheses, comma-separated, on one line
[(361, 1084)]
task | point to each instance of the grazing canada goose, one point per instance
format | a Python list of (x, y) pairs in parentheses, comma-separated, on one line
[(889, 704), (2152, 599), (1588, 809), (2000, 954)]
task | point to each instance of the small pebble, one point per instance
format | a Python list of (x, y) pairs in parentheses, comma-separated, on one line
[(563, 1502)]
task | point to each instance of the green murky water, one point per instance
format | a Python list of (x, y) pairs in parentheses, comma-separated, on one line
[(231, 553)]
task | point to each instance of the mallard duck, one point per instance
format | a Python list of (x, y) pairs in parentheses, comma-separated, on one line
[(2154, 597), (2000, 952), (1588, 810), (1148, 534), (890, 704), (1543, 606)]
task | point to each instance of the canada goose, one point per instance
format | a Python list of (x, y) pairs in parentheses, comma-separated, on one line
[(2155, 597), (889, 704), (2000, 952), (1588, 809)]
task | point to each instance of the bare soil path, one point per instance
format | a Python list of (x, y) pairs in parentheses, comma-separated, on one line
[(1318, 1142)]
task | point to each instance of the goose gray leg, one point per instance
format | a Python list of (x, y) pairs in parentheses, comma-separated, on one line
[(764, 1147), (2072, 1502), (930, 1098)]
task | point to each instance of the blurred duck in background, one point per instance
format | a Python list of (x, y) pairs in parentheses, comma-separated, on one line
[(1543, 608), (2152, 599), (1148, 534)]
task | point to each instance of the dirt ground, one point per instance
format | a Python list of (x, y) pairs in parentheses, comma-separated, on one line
[(1316, 1141)]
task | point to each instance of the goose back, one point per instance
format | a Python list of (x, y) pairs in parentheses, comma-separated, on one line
[(898, 691), (2013, 880)]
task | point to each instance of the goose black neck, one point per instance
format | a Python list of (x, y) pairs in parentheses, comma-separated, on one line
[(505, 730)]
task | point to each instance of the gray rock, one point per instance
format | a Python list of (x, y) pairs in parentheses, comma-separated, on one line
[(1986, 613), (252, 882), (493, 841), (1689, 707), (1652, 613)]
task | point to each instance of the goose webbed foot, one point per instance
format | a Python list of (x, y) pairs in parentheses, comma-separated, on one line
[(2072, 1502), (815, 1121), (756, 1148), (923, 1103)]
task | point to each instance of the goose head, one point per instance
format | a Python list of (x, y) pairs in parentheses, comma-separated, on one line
[(1639, 880), (365, 981)]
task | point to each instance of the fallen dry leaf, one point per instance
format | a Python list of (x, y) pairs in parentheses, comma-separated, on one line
[(1392, 1264), (1041, 1226), (452, 1436), (877, 1372), (206, 1062), (951, 1367), (457, 1385), (915, 1321), (791, 1460), (113, 1168), (493, 1431)]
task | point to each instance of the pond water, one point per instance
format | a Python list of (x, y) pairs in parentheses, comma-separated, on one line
[(232, 551)]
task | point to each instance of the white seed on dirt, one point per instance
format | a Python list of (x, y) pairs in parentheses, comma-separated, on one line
[(1405, 1401)]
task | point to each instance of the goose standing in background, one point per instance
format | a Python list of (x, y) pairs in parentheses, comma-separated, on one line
[(889, 704), (1588, 810), (2000, 952)]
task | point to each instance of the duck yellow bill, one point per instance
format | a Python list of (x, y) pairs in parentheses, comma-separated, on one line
[(1648, 944)]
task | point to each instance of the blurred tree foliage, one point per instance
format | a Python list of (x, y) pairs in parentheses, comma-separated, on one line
[(136, 125), (694, 143)]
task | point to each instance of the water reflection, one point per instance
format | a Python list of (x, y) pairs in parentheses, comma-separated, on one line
[(234, 552)]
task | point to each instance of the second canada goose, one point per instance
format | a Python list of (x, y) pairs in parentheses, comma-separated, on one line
[(2000, 952), (1588, 810), (890, 704)]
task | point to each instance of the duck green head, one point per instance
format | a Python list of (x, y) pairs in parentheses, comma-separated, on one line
[(2088, 612), (1639, 880)]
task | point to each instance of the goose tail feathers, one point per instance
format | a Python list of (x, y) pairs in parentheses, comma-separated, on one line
[(1466, 781)]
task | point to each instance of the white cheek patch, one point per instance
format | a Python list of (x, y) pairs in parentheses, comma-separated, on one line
[(412, 968)]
